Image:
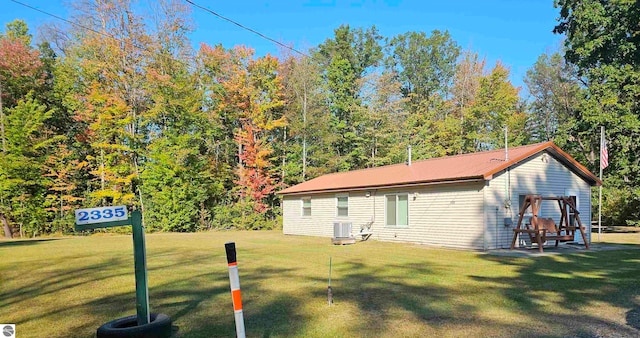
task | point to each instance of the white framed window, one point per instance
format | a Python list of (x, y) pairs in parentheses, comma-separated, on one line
[(396, 208), (573, 196), (528, 212), (306, 206), (342, 205)]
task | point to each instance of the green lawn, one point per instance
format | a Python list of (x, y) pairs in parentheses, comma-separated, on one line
[(68, 287)]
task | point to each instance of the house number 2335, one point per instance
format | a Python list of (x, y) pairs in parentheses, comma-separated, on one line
[(100, 215)]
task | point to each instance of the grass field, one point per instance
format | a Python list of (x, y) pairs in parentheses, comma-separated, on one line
[(68, 287)]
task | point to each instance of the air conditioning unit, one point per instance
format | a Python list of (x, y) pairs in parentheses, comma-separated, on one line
[(341, 229)]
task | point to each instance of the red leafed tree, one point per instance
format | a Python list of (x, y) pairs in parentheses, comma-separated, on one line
[(20, 67), (17, 59), (254, 175), (20, 71), (250, 93)]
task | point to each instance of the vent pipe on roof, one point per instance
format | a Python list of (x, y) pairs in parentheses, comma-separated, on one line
[(506, 146), (409, 150), (507, 185)]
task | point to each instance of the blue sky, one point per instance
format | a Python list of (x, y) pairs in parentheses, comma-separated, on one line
[(513, 31)]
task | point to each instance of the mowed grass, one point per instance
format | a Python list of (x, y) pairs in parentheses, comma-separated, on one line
[(623, 235), (68, 287)]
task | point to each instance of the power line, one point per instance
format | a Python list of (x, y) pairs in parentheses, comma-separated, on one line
[(144, 48), (79, 25), (107, 35), (246, 28)]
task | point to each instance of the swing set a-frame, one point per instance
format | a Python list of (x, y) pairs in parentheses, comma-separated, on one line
[(541, 229)]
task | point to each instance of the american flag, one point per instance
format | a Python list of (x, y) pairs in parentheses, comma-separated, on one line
[(604, 154)]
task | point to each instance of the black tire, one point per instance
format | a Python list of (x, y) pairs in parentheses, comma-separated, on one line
[(127, 327)]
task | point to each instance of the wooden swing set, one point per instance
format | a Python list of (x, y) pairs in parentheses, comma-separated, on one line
[(541, 229)]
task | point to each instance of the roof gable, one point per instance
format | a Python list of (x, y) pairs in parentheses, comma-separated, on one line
[(478, 166)]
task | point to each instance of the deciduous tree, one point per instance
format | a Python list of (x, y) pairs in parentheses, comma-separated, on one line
[(555, 94), (20, 72), (602, 39), (497, 105), (346, 59), (425, 65), (22, 186), (308, 136)]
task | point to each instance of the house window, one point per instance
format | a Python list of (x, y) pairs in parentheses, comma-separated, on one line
[(306, 206), (342, 205), (528, 212), (397, 210), (572, 214)]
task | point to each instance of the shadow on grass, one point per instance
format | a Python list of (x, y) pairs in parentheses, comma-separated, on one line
[(207, 310), (57, 281), (619, 230), (25, 242), (386, 299), (633, 318), (567, 292), (545, 296), (199, 304), (277, 317), (382, 296), (77, 276)]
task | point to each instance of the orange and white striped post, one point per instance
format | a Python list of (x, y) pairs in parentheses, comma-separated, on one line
[(234, 280)]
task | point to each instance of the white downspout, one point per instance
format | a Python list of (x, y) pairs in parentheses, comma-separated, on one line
[(485, 224)]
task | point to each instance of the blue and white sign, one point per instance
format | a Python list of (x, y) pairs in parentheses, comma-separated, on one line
[(101, 215)]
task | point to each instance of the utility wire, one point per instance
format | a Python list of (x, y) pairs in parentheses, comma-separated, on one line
[(246, 28), (107, 35), (78, 25), (144, 48)]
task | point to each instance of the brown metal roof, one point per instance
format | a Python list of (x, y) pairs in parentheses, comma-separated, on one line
[(479, 166)]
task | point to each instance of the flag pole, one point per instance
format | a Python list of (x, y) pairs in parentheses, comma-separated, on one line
[(600, 188)]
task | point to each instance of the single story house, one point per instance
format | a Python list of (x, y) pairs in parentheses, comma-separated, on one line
[(468, 201)]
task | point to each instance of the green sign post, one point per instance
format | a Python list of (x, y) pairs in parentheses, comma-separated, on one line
[(107, 217)]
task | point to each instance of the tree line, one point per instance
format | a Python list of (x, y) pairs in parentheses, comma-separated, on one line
[(123, 110)]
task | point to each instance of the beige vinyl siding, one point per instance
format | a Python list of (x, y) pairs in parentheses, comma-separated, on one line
[(460, 215), (324, 211), (535, 176), (323, 214), (446, 215)]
